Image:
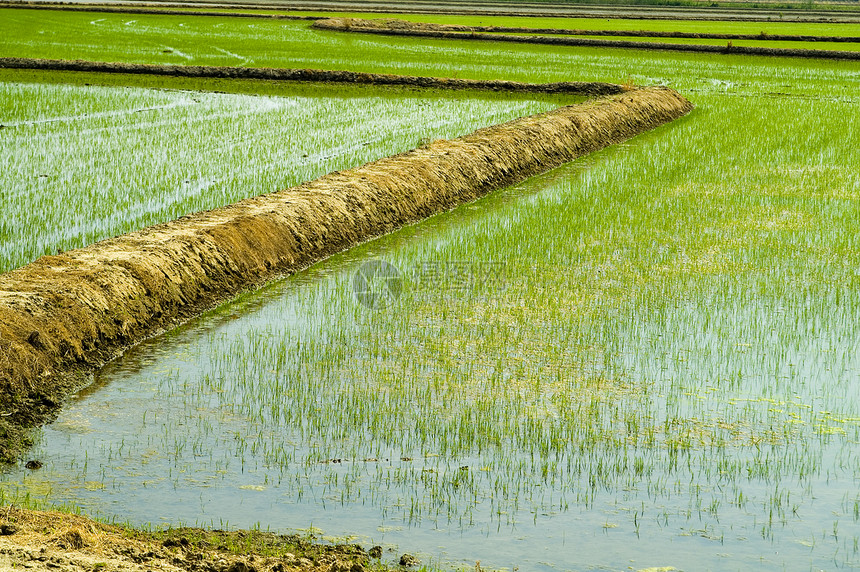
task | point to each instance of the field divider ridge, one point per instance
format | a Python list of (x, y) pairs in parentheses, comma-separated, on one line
[(312, 75), (762, 36), (393, 27)]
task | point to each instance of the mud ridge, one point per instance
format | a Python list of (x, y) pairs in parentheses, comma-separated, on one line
[(763, 36), (311, 75), (402, 28), (65, 315)]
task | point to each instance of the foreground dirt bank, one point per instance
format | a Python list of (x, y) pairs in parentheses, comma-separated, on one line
[(394, 27), (59, 542), (65, 315)]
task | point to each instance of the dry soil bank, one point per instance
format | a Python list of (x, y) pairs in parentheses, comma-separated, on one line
[(60, 542)]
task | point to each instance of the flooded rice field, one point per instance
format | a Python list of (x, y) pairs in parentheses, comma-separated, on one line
[(523, 381)]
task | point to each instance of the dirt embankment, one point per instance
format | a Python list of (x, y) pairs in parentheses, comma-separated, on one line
[(392, 27), (64, 315), (763, 36), (59, 542), (311, 75)]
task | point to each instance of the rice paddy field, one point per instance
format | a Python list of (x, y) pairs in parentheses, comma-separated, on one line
[(70, 182), (646, 358)]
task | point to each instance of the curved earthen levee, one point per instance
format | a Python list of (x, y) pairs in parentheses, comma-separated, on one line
[(762, 36), (66, 314), (393, 27)]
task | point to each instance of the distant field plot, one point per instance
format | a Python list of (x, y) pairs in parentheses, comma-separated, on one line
[(161, 39), (87, 162), (793, 45), (692, 26), (759, 42), (185, 40), (762, 44)]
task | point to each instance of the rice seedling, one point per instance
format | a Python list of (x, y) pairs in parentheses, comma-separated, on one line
[(832, 47), (292, 44), (89, 162), (658, 380), (773, 27)]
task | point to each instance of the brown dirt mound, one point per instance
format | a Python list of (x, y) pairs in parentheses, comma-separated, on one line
[(69, 313), (403, 28), (60, 542)]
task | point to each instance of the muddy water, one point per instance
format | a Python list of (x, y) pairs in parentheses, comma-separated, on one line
[(218, 424)]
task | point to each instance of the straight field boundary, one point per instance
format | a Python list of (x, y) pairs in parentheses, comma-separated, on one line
[(762, 37), (313, 75), (409, 29)]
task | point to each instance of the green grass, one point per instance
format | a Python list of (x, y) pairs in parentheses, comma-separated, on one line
[(692, 26), (794, 45), (238, 41), (650, 351)]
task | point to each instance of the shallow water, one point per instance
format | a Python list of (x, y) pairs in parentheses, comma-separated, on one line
[(91, 162), (590, 370), (165, 435)]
